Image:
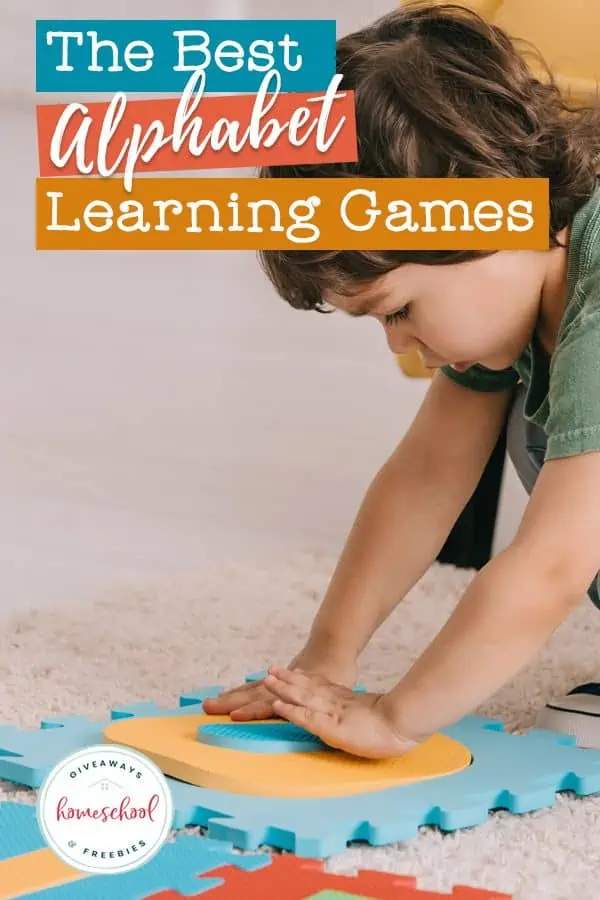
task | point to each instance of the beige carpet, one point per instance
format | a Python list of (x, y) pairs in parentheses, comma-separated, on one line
[(154, 643)]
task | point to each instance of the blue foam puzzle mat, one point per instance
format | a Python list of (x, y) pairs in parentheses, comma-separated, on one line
[(516, 773), (176, 867), (19, 830)]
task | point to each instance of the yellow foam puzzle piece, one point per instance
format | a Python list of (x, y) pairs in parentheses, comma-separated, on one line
[(33, 872), (171, 742)]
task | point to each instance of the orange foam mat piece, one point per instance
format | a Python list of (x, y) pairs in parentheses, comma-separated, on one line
[(33, 872), (171, 742), (292, 878)]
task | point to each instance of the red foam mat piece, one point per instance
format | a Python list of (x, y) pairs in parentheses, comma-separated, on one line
[(294, 878)]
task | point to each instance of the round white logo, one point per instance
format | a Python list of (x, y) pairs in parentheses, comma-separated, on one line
[(106, 809)]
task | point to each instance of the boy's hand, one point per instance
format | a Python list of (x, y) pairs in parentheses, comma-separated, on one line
[(255, 701), (360, 724)]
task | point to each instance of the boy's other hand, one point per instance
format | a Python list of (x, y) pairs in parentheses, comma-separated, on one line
[(252, 701), (363, 725)]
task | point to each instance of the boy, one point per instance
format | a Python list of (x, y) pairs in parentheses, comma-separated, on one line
[(441, 93)]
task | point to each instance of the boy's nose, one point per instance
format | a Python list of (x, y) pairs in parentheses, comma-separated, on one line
[(401, 343)]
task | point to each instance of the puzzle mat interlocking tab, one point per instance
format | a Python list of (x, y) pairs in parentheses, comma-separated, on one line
[(26, 863), (517, 773), (291, 878)]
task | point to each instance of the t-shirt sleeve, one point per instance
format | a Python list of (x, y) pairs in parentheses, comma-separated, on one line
[(573, 423), (481, 379)]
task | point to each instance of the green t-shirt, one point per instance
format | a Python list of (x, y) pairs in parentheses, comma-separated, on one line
[(562, 392)]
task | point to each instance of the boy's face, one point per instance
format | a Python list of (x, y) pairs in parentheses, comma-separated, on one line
[(480, 311)]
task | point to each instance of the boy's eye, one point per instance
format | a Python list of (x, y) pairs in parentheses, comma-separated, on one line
[(397, 316)]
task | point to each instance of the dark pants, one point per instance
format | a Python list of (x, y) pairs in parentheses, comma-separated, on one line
[(470, 543)]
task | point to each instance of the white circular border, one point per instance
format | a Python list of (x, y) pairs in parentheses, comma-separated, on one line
[(132, 755)]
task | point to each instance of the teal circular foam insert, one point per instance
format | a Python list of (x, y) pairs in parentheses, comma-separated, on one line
[(261, 737)]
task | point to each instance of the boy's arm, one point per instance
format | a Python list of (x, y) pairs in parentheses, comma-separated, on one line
[(509, 611), (407, 513), (403, 522), (513, 605)]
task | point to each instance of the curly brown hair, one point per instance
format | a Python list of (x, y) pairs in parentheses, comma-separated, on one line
[(442, 93)]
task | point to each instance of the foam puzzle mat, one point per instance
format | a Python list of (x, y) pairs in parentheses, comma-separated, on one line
[(29, 870), (25, 862), (516, 773)]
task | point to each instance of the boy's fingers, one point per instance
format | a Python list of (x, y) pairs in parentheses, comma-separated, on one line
[(307, 695), (253, 700), (295, 676), (260, 709), (317, 722), (219, 704), (310, 682), (241, 689), (235, 698), (294, 714), (214, 706)]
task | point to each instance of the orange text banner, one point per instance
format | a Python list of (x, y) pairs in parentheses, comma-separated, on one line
[(270, 214)]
